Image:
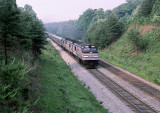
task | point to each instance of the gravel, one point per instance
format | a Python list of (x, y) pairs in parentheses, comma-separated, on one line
[(138, 93), (102, 94)]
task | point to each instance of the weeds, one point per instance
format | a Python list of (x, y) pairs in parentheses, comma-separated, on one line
[(14, 88)]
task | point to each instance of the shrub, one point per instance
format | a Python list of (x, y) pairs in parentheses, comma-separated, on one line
[(13, 88), (138, 41), (156, 19)]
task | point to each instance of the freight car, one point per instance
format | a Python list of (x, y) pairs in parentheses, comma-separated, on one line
[(85, 53)]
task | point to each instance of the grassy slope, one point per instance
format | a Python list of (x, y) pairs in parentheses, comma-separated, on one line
[(62, 91), (144, 64)]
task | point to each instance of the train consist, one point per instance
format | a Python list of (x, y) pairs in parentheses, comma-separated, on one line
[(85, 53)]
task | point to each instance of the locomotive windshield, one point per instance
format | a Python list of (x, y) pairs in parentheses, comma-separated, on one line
[(94, 50), (88, 50)]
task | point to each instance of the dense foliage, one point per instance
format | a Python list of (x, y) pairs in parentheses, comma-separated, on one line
[(88, 17), (156, 12), (146, 8), (14, 88), (9, 24), (104, 33), (22, 37), (13, 32), (126, 9)]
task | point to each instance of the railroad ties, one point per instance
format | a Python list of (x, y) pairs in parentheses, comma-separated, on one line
[(133, 102)]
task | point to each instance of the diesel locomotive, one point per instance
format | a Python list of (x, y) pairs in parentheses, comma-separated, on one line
[(85, 53)]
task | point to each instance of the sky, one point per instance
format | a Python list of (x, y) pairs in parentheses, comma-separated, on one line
[(64, 10)]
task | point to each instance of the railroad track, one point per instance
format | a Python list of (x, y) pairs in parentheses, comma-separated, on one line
[(131, 80), (132, 101)]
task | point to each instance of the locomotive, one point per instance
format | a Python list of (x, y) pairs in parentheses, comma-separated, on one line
[(86, 54)]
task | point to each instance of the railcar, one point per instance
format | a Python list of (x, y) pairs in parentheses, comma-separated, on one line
[(56, 39), (85, 53)]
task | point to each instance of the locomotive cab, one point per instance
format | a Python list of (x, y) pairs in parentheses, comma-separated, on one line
[(90, 55)]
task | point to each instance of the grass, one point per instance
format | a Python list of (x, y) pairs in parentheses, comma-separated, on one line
[(144, 64), (62, 92)]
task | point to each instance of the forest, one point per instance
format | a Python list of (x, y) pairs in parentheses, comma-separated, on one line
[(127, 36), (22, 38)]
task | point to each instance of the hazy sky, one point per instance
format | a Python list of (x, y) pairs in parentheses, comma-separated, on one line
[(62, 10)]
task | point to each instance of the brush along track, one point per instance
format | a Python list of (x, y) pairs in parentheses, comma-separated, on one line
[(133, 102), (131, 80)]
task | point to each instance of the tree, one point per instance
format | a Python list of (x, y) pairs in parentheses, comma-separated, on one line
[(126, 8), (156, 12), (146, 8), (9, 23), (38, 37), (156, 8), (114, 29), (85, 19), (96, 34), (108, 13), (35, 31), (98, 16), (105, 32)]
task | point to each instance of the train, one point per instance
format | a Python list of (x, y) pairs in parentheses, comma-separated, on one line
[(86, 54)]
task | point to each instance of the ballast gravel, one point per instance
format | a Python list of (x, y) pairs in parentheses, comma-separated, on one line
[(102, 94), (148, 99)]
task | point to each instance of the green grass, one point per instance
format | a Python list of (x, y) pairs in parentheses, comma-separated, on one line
[(144, 64), (62, 91)]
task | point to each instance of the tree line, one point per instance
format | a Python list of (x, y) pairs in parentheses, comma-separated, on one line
[(19, 29), (102, 28), (99, 27)]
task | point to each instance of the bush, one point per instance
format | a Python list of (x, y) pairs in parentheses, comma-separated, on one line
[(138, 41), (156, 19), (13, 88)]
